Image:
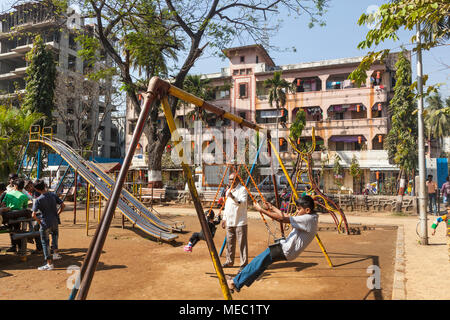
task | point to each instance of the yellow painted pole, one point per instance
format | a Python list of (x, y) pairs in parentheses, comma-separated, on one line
[(319, 242), (87, 208), (198, 206), (296, 197)]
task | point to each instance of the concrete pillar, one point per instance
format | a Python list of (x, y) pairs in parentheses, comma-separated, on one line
[(324, 79), (369, 74), (369, 142)]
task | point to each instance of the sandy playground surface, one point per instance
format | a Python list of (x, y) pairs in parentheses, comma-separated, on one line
[(132, 266)]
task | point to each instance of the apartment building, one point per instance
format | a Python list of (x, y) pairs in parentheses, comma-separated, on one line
[(349, 121), (80, 103)]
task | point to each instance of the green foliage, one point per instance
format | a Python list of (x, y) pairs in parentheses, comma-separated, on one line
[(338, 171), (398, 15), (41, 76), (355, 169), (437, 118), (14, 127), (296, 128), (277, 90), (401, 141)]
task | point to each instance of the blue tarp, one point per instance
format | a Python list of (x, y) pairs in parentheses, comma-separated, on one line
[(442, 170), (54, 159)]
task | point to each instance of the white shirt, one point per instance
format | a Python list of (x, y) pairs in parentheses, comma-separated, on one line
[(304, 229), (235, 211)]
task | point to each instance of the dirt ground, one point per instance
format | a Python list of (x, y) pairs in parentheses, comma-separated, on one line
[(133, 266)]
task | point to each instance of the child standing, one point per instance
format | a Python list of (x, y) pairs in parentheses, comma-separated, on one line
[(48, 221), (197, 236)]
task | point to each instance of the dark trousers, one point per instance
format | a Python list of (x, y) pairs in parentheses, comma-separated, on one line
[(196, 237), (37, 240), (15, 243)]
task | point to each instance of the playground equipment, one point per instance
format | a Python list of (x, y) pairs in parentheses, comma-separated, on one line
[(319, 198), (131, 208), (159, 90)]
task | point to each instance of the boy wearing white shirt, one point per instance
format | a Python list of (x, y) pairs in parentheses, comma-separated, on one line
[(304, 228), (235, 222)]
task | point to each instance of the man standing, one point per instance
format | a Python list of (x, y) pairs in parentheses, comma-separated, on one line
[(432, 188), (445, 190), (235, 222)]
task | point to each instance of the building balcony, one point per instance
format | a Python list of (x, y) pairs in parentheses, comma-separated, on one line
[(346, 127), (10, 55), (328, 97), (328, 128), (29, 26)]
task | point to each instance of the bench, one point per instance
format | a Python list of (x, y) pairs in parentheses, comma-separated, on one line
[(208, 197), (149, 194)]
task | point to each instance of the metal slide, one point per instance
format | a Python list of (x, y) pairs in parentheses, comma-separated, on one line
[(148, 213), (143, 219)]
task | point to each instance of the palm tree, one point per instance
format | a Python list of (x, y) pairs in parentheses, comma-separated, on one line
[(277, 93), (194, 84), (437, 119)]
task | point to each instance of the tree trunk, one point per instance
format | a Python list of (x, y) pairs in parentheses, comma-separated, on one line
[(401, 191)]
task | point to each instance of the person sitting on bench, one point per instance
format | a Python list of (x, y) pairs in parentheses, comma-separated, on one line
[(16, 200), (304, 228)]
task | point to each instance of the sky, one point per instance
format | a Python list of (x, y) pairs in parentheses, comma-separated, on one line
[(338, 39)]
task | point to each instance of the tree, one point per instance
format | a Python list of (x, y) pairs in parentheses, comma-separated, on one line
[(401, 140), (187, 28), (397, 15), (355, 170), (277, 93), (40, 81), (15, 124), (437, 120), (194, 84), (338, 171)]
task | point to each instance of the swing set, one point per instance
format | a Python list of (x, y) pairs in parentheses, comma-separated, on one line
[(159, 90)]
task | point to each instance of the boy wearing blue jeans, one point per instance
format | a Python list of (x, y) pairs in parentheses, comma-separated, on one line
[(47, 203), (304, 229)]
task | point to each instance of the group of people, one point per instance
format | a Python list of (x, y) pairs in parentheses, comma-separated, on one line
[(17, 195), (433, 191), (304, 228)]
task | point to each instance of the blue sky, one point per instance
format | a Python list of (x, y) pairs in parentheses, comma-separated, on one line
[(338, 39)]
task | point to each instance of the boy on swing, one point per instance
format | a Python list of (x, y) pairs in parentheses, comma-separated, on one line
[(304, 229)]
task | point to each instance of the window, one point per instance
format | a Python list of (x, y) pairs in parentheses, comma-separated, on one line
[(257, 59), (72, 42), (340, 146), (131, 128), (235, 72), (249, 71), (339, 116), (72, 63), (242, 115), (243, 90), (242, 59)]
